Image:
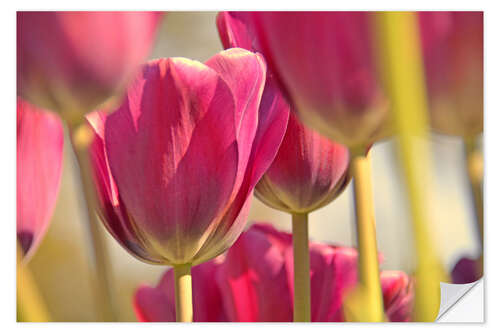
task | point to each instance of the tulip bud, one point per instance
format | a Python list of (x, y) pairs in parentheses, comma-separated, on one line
[(452, 44), (326, 64), (254, 283), (39, 168), (308, 172), (175, 165), (71, 62)]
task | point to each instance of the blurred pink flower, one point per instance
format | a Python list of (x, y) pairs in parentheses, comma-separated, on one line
[(254, 279), (175, 165), (71, 62), (39, 167), (453, 56), (325, 63), (309, 170), (466, 270)]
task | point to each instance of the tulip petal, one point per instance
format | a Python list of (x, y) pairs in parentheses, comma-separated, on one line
[(112, 210), (244, 72), (178, 119), (235, 30), (308, 172), (39, 168), (254, 276), (398, 295), (151, 304)]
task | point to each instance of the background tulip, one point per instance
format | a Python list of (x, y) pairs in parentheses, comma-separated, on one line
[(71, 62), (452, 44), (467, 270), (39, 168), (325, 61), (198, 130), (254, 279), (308, 172)]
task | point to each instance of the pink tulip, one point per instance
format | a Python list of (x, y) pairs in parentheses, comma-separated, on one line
[(325, 62), (253, 283), (39, 167), (309, 170), (175, 165), (71, 62), (453, 56)]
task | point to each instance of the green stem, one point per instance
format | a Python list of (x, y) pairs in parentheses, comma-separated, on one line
[(81, 137), (30, 304), (301, 270), (183, 293), (369, 274)]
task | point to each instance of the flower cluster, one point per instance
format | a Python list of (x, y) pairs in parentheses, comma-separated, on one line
[(253, 282), (172, 150)]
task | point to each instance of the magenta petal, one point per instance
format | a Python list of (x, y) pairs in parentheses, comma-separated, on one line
[(235, 30), (151, 304), (254, 279), (39, 168), (111, 208), (308, 172), (178, 122), (245, 74), (398, 294)]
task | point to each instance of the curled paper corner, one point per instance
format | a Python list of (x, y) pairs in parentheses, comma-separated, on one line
[(462, 302)]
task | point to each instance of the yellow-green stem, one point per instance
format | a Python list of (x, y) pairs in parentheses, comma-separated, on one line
[(369, 274), (301, 270), (81, 137), (30, 304), (183, 293), (402, 71), (475, 173)]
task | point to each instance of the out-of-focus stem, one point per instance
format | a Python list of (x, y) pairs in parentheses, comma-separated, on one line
[(81, 137), (369, 289), (30, 304), (402, 71), (301, 270), (183, 293), (475, 172)]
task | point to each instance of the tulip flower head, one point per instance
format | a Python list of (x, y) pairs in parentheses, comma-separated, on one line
[(39, 168), (175, 165), (453, 57), (308, 172), (325, 62), (71, 62), (254, 283)]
